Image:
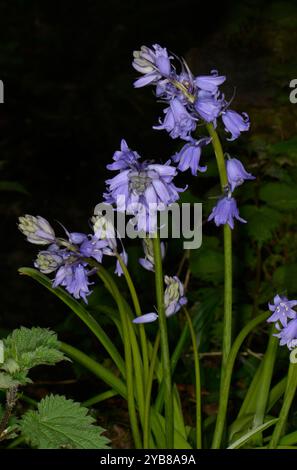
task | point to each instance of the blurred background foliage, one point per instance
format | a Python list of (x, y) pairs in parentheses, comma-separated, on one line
[(69, 100)]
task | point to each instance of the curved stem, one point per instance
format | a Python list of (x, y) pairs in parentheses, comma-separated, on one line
[(227, 322), (288, 398), (146, 428), (130, 342), (169, 418), (225, 385), (138, 312), (197, 381)]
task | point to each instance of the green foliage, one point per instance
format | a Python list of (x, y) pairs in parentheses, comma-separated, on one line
[(262, 222), (285, 278), (25, 348), (280, 196), (61, 424), (207, 263)]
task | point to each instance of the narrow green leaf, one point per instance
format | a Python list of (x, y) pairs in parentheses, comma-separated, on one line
[(246, 437)]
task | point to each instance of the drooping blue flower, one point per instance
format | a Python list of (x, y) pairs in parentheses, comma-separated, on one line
[(123, 158), (189, 156), (225, 211), (178, 122), (92, 247), (74, 277), (288, 335), (174, 297), (236, 173), (282, 310), (37, 230), (124, 256), (153, 63), (210, 82), (148, 261), (208, 106), (235, 123), (146, 318)]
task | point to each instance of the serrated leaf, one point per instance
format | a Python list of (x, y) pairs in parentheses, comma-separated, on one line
[(281, 196), (25, 348), (61, 423), (262, 222)]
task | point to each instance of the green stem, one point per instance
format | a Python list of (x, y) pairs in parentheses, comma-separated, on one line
[(227, 322), (169, 418), (99, 398), (225, 386), (128, 334), (197, 381), (138, 312), (174, 360), (129, 343), (146, 428), (266, 376), (288, 398)]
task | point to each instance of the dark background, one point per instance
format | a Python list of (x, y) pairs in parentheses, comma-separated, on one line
[(69, 100)]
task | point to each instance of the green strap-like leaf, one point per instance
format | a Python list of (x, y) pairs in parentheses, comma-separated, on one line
[(81, 312), (244, 439)]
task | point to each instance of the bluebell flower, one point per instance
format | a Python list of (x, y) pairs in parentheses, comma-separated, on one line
[(152, 63), (48, 261), (178, 122), (74, 277), (282, 310), (210, 82), (123, 158), (37, 230), (208, 106), (146, 318), (235, 123), (225, 211), (148, 261), (124, 256), (288, 335), (189, 156), (92, 247), (174, 299), (236, 173)]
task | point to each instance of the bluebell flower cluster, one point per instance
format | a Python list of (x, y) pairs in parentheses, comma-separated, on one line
[(189, 102), (67, 257), (285, 320), (141, 188)]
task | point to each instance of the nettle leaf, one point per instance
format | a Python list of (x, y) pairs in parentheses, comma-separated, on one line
[(280, 196), (60, 423), (262, 222), (25, 348)]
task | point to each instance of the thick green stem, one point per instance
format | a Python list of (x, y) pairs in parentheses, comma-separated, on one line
[(147, 411), (288, 398), (99, 398), (197, 381), (227, 323), (138, 312), (225, 384), (169, 418)]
